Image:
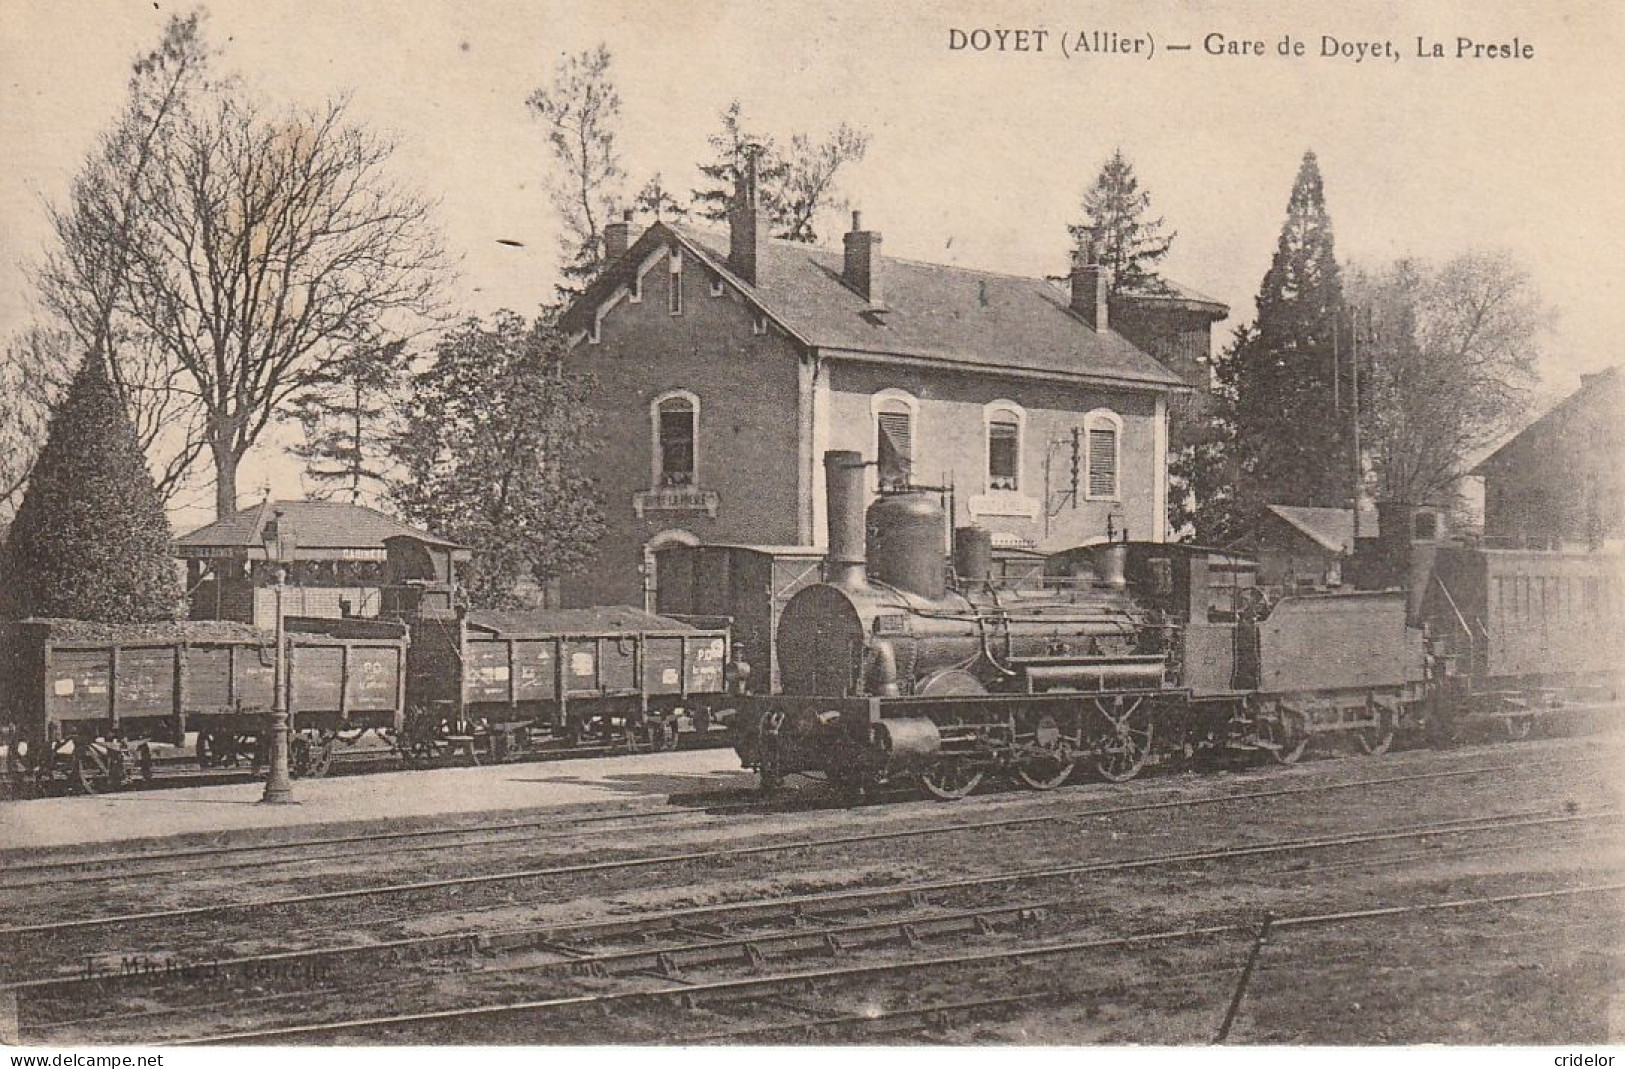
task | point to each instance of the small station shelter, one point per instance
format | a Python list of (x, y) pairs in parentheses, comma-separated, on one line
[(334, 561)]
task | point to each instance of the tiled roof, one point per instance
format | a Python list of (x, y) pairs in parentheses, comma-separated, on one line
[(1332, 529), (316, 524), (932, 312), (1603, 392)]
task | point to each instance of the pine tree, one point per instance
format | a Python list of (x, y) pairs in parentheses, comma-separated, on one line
[(731, 147), (346, 418), (1127, 242), (1290, 418), (90, 540), (796, 187)]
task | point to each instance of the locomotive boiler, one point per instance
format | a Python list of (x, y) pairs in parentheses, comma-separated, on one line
[(888, 623)]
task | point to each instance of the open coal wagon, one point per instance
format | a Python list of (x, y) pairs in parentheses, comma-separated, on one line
[(84, 702), (492, 684)]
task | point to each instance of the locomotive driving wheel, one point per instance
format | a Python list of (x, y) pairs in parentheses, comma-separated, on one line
[(1050, 762), (950, 778), (1124, 752)]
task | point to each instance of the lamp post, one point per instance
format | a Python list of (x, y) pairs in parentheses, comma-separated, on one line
[(279, 551)]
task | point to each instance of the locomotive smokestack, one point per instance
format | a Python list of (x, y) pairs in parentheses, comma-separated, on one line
[(843, 485)]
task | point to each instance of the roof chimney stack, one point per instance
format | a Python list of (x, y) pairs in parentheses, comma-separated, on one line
[(862, 268), (1091, 284), (747, 230), (618, 238)]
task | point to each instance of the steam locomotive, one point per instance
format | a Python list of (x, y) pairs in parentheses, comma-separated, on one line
[(890, 670)]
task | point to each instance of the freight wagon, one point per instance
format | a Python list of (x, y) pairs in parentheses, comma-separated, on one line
[(84, 701), (496, 682)]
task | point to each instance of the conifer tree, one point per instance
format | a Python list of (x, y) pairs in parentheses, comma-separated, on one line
[(1127, 242), (1292, 437), (347, 417), (90, 540)]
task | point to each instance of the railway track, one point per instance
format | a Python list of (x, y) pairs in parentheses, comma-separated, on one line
[(180, 771), (1054, 811), (749, 933), (671, 982), (186, 861)]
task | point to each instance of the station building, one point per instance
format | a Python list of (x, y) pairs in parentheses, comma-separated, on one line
[(1559, 483), (726, 363)]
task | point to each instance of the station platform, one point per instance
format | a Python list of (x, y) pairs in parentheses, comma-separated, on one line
[(422, 797)]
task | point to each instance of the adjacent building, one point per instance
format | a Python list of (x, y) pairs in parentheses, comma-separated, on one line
[(726, 364), (333, 561), (1560, 482)]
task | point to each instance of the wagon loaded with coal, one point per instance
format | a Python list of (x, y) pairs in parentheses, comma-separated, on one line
[(91, 706), (86, 703)]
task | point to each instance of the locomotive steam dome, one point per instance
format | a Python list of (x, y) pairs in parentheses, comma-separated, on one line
[(906, 543)]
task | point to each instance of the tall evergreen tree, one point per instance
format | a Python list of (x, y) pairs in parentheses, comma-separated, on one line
[(1116, 210), (1292, 411), (90, 540), (347, 417), (797, 186), (731, 147)]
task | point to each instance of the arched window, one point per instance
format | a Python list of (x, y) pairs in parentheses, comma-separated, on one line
[(1004, 422), (676, 419), (895, 415), (1103, 436)]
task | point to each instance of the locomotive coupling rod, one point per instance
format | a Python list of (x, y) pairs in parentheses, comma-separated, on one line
[(1246, 976)]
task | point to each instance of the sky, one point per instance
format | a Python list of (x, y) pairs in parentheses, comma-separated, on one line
[(976, 158)]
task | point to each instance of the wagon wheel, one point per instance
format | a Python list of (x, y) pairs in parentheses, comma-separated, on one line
[(208, 750), (578, 730), (1125, 751), (1048, 770), (98, 768), (1519, 726), (662, 732), (1376, 740), (950, 778), (309, 758), (1282, 734), (321, 756), (30, 767), (420, 753), (769, 763)]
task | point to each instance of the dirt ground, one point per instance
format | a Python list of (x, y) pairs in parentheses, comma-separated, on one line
[(1547, 970)]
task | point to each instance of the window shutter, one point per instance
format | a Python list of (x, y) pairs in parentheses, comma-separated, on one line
[(676, 443), (1002, 450), (1102, 462), (896, 448)]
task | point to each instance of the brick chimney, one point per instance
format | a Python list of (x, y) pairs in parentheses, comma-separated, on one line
[(862, 270), (1091, 285), (747, 229), (618, 238)]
